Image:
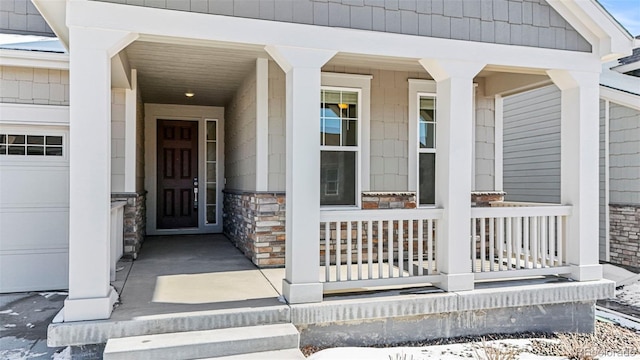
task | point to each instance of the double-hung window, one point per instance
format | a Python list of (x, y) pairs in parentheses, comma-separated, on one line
[(427, 149), (340, 124)]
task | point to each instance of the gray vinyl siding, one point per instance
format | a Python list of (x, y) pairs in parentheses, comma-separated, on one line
[(532, 146), (21, 17), (602, 218), (624, 155), (515, 22)]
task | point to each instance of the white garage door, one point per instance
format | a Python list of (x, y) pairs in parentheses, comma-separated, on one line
[(34, 207)]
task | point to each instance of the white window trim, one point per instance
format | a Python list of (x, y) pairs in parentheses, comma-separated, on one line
[(362, 85), (417, 88), (38, 131)]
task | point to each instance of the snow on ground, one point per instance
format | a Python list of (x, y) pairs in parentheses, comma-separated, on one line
[(444, 352), (629, 294), (520, 347)]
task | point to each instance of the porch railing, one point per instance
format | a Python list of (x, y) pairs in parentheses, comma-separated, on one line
[(364, 248), (117, 245), (518, 239)]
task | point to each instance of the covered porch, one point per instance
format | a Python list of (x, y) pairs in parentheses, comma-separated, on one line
[(431, 235)]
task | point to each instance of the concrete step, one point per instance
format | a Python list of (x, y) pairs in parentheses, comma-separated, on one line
[(98, 332), (204, 344), (289, 354)]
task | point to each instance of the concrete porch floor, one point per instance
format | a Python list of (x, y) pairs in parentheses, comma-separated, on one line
[(177, 274), (202, 282)]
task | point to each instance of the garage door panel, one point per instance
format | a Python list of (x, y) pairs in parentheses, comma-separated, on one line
[(34, 186), (34, 271), (32, 229)]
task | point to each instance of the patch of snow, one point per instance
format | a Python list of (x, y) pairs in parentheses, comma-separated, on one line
[(47, 295), (445, 352), (8, 312), (63, 355), (629, 294), (9, 325), (19, 354), (12, 355)]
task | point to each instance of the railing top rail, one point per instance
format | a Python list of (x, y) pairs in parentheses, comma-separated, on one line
[(493, 212), (521, 203), (377, 214)]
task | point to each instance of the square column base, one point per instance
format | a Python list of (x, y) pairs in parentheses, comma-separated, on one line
[(90, 309), (456, 282), (302, 293), (586, 272)]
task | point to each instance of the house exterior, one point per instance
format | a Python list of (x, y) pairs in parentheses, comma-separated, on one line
[(198, 117), (532, 171)]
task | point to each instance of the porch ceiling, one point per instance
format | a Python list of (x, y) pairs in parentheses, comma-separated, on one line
[(166, 71), (213, 71)]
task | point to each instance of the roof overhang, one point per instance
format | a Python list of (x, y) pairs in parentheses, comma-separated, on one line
[(609, 39), (615, 80)]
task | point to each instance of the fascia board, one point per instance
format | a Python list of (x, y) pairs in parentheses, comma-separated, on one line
[(34, 59)]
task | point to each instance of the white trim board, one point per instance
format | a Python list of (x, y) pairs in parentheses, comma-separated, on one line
[(498, 158), (620, 97), (607, 211), (153, 112), (30, 114), (416, 88), (34, 59), (262, 124)]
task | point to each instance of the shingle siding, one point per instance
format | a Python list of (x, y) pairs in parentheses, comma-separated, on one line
[(515, 22), (21, 17), (240, 137), (624, 155), (22, 85)]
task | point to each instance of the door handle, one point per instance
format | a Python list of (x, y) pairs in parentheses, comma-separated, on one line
[(195, 192)]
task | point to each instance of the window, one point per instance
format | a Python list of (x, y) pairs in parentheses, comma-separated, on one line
[(30, 145), (427, 149), (340, 123), (212, 171), (422, 140)]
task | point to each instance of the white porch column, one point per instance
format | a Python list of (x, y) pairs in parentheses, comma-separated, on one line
[(454, 141), (90, 294), (302, 246), (579, 173)]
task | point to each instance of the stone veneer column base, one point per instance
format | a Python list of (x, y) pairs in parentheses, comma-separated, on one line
[(135, 221), (255, 223), (624, 230)]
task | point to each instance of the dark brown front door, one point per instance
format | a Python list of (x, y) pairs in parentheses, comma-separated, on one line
[(177, 174)]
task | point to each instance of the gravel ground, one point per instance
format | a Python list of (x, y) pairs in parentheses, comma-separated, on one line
[(608, 339)]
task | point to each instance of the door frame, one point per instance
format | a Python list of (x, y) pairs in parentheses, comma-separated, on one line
[(155, 112)]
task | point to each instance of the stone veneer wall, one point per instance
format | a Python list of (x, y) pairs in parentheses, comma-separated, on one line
[(254, 221), (389, 200), (135, 221), (624, 231)]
